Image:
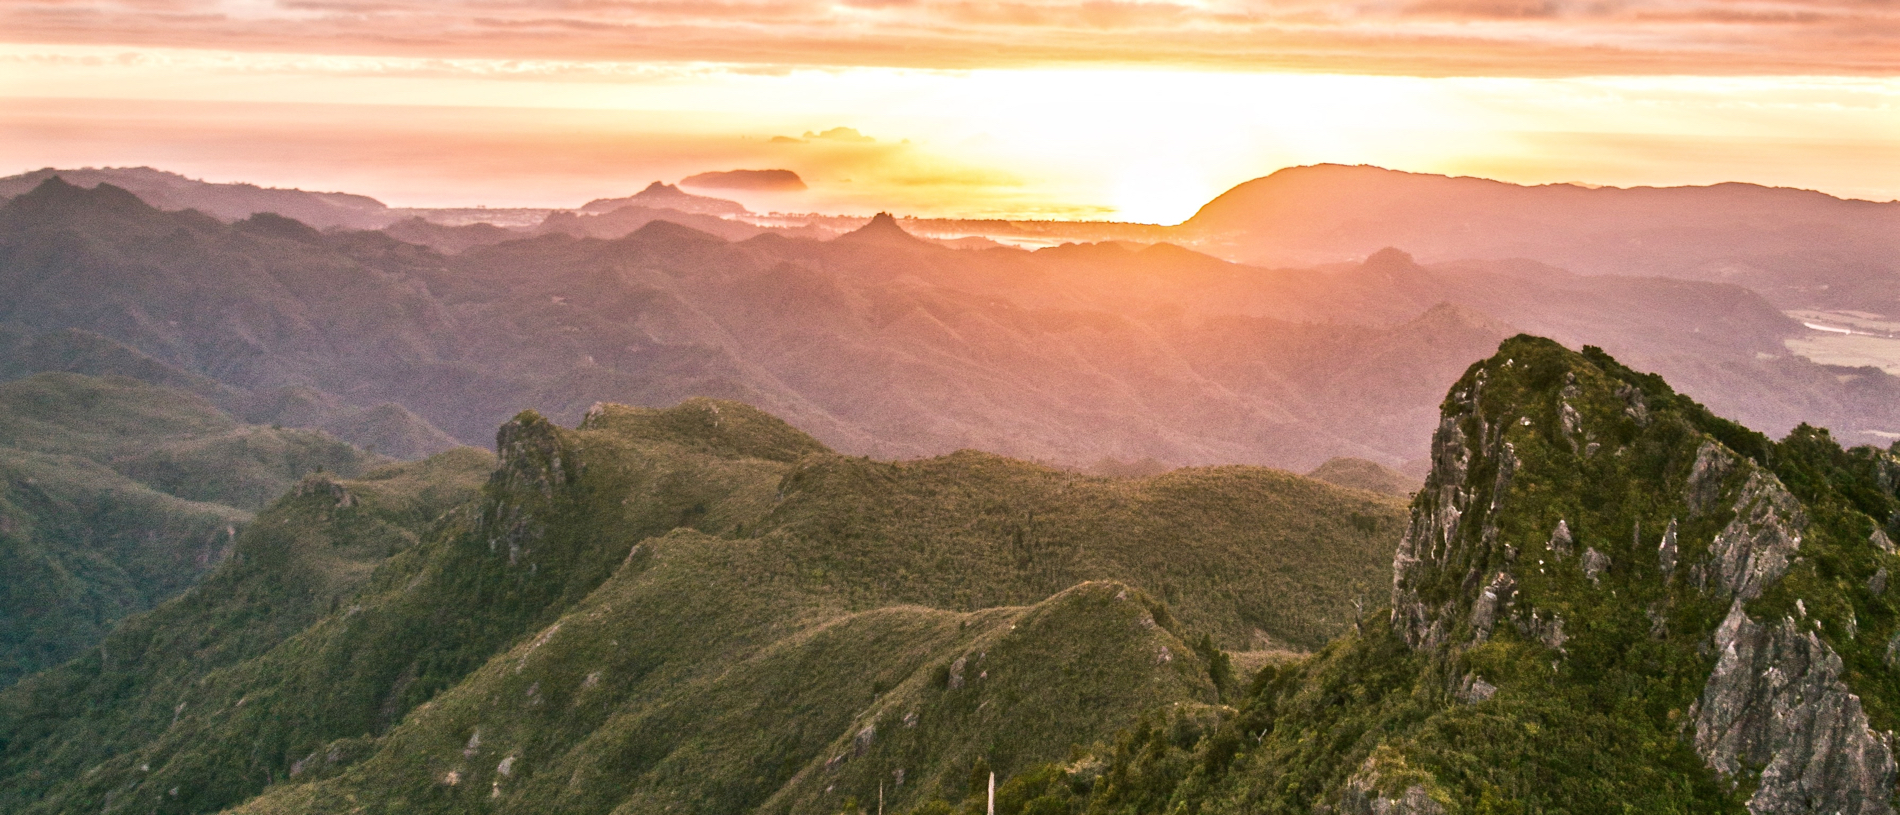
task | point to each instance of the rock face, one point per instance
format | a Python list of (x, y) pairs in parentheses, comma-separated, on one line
[(1595, 563), (1666, 552), (1438, 515), (1754, 550), (1776, 701), (1497, 537), (1496, 598)]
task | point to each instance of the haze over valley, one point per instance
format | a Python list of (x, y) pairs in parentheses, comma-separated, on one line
[(1120, 342)]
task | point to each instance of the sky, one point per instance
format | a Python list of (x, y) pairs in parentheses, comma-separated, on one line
[(1096, 109)]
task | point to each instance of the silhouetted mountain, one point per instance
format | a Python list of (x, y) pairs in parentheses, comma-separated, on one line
[(229, 202), (884, 233), (449, 239), (1797, 247), (660, 195), (621, 221), (760, 180)]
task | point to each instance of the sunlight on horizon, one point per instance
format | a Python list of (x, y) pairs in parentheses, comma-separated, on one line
[(1136, 144)]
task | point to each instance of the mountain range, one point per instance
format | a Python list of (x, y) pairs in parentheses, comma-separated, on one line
[(1605, 599), (230, 202), (877, 342), (1798, 248), (752, 538), (409, 641)]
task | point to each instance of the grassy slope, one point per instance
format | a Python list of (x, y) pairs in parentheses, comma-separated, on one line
[(118, 494), (780, 598)]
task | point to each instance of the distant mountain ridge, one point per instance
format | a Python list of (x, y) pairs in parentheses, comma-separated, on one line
[(230, 202), (759, 180), (878, 342), (660, 195), (335, 210), (1799, 248), (1361, 474)]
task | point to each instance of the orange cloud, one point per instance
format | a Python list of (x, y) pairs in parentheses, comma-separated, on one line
[(1418, 37)]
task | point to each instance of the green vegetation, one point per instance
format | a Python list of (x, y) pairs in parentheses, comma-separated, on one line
[(296, 564), (116, 494), (698, 608), (703, 610), (1589, 688)]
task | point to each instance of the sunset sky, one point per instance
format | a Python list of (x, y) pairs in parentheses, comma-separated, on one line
[(1100, 109)]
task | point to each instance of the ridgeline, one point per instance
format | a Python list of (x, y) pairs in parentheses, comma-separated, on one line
[(698, 608)]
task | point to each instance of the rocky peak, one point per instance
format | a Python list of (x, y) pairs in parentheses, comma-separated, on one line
[(532, 452), (1569, 493), (883, 230)]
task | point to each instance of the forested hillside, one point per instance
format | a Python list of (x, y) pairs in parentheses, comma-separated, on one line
[(116, 495), (699, 607)]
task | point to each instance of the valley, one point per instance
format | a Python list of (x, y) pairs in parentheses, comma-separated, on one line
[(652, 506)]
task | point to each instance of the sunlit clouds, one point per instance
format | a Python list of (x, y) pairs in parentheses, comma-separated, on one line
[(1413, 37), (1097, 109), (1149, 145)]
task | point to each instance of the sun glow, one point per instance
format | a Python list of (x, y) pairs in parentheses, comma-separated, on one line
[(1136, 144)]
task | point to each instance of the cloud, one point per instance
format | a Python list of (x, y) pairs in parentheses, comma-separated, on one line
[(1419, 37)]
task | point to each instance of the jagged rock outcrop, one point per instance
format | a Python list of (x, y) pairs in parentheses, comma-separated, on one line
[(1595, 563), (1776, 712), (1473, 689), (1414, 800), (1495, 598), (531, 455), (1667, 551), (322, 484), (1776, 701), (535, 462), (1754, 549), (1713, 463), (1437, 516), (1560, 540)]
